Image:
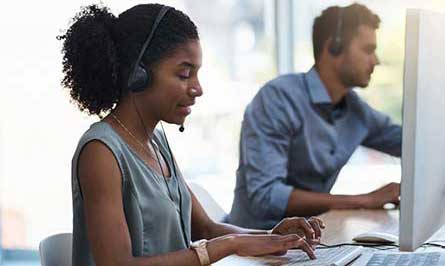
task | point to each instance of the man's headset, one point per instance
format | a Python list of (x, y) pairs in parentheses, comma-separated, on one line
[(336, 46), (138, 80)]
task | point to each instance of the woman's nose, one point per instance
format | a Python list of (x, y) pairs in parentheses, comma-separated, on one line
[(196, 91)]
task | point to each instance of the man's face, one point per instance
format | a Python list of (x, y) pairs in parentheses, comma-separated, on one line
[(359, 58)]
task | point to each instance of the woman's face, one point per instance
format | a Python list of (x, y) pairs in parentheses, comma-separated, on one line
[(175, 84)]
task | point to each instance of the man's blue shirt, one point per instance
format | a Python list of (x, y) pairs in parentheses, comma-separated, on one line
[(292, 136)]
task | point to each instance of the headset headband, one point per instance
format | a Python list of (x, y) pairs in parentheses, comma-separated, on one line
[(161, 14), (339, 25)]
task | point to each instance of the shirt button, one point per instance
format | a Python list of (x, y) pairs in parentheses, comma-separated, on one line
[(332, 151)]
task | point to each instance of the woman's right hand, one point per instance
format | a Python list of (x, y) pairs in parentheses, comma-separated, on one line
[(260, 245)]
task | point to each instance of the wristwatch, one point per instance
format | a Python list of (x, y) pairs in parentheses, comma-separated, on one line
[(200, 247)]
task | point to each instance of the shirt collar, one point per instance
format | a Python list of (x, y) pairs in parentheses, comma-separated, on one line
[(317, 91)]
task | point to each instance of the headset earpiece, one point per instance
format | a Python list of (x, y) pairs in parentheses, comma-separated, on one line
[(336, 45), (139, 77)]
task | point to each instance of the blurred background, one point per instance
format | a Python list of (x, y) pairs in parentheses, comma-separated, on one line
[(245, 43)]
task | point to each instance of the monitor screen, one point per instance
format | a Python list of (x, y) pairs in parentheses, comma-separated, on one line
[(423, 145)]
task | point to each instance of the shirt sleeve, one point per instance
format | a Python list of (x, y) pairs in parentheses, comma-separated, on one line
[(269, 123), (383, 134)]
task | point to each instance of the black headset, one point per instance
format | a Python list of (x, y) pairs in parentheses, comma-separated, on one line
[(139, 77), (336, 46), (138, 80)]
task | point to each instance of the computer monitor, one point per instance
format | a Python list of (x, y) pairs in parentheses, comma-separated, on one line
[(422, 205)]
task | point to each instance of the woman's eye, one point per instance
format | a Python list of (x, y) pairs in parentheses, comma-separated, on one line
[(183, 77)]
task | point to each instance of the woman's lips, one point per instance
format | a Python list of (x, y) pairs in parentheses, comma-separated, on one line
[(185, 109)]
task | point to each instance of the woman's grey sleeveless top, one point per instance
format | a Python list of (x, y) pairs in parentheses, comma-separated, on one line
[(153, 217)]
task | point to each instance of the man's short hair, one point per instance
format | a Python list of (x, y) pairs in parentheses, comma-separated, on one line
[(353, 16)]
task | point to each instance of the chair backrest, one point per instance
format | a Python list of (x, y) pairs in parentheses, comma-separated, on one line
[(56, 250), (212, 208)]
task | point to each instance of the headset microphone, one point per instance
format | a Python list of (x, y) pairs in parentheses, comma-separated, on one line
[(181, 128)]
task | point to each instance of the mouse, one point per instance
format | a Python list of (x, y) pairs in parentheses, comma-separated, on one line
[(376, 237), (391, 206)]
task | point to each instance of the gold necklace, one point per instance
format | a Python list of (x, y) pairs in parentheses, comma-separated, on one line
[(153, 144), (145, 147)]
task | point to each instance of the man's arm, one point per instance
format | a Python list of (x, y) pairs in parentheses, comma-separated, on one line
[(383, 134), (269, 124), (309, 203)]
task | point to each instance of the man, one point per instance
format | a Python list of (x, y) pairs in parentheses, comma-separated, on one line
[(301, 129)]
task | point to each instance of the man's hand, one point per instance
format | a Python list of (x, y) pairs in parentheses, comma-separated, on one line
[(386, 194)]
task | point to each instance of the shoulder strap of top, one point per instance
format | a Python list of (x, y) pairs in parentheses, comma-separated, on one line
[(103, 132)]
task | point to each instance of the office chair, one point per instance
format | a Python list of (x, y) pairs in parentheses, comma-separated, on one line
[(55, 250), (212, 208)]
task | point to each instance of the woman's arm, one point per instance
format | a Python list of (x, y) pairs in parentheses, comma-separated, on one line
[(101, 184), (203, 227)]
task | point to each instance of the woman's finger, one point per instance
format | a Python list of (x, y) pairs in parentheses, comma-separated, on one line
[(316, 226), (320, 222), (314, 242), (303, 245), (289, 240), (305, 226)]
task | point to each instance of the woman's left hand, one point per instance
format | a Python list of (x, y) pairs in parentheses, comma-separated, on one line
[(310, 228)]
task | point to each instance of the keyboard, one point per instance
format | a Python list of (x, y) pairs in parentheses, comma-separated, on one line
[(411, 259), (339, 256)]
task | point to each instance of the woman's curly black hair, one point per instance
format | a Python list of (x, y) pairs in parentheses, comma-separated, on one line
[(99, 50)]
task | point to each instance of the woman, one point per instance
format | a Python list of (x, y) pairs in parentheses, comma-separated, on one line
[(131, 205)]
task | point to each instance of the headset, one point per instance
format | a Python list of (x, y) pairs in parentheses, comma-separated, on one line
[(336, 46), (139, 77), (138, 80)]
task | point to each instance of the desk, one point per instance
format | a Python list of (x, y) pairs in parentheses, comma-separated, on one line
[(342, 226)]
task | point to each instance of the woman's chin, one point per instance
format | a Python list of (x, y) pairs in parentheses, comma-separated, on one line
[(175, 121)]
